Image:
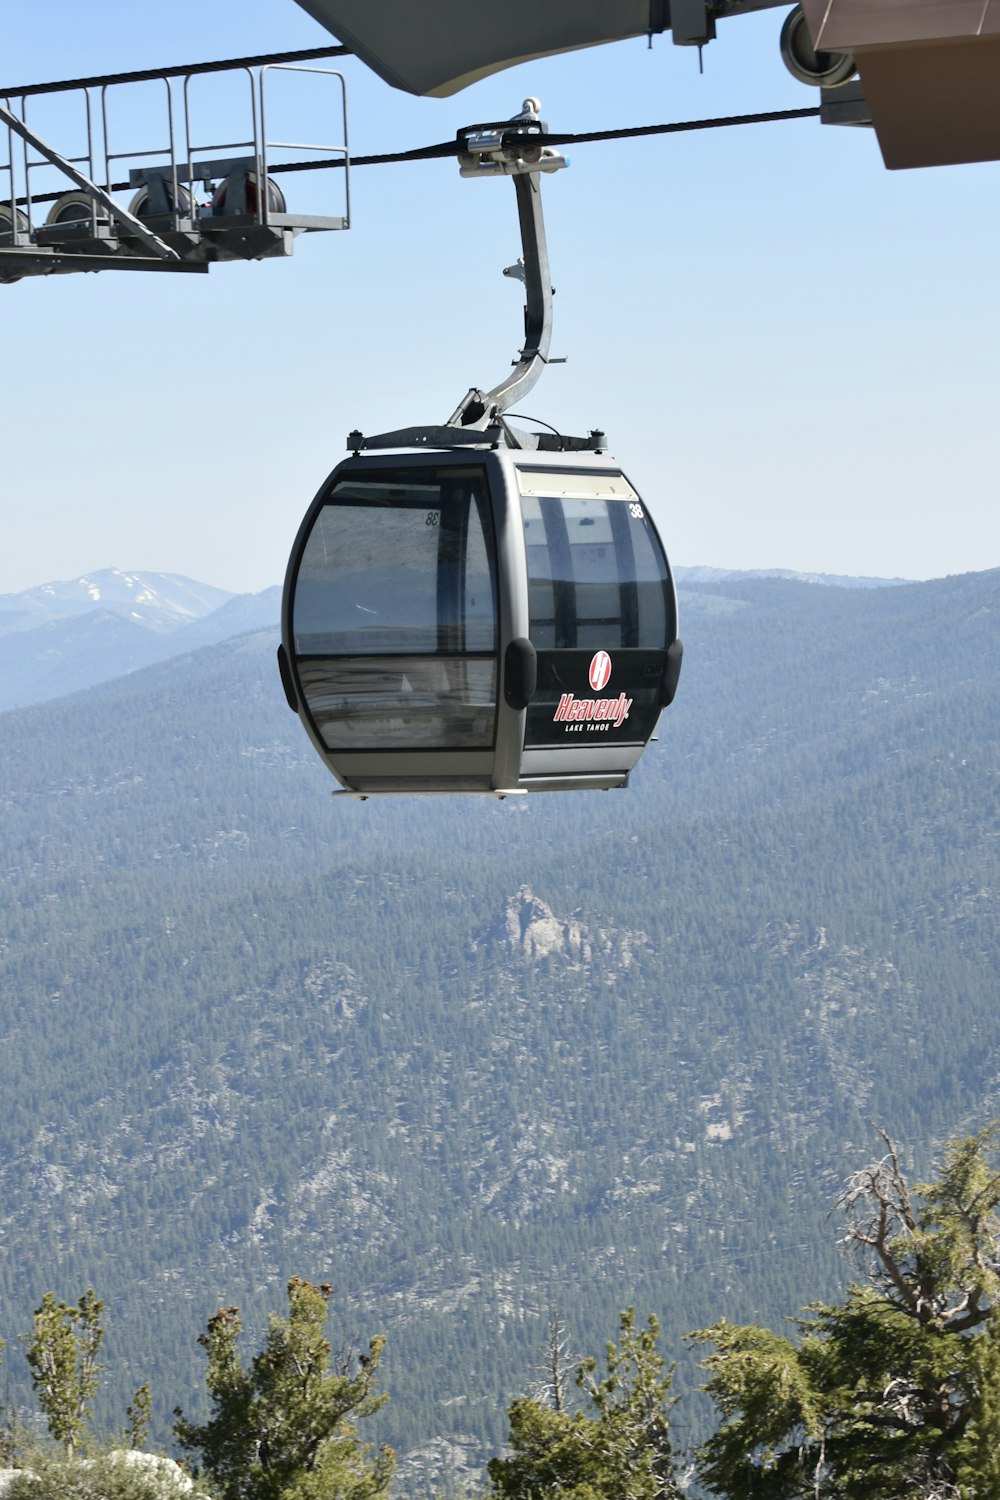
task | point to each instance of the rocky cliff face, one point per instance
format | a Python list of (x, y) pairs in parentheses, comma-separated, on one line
[(528, 927), (531, 927)]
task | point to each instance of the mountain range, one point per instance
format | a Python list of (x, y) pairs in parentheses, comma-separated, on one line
[(59, 638), (470, 1061), (66, 636)]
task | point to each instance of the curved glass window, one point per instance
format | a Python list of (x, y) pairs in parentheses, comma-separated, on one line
[(391, 703), (597, 576), (394, 616), (403, 565)]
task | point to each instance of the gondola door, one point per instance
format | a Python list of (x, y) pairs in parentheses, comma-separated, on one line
[(602, 616), (393, 625)]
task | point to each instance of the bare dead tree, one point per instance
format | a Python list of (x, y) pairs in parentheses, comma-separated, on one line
[(550, 1388), (937, 1260)]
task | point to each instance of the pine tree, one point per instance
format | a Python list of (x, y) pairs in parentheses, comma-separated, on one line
[(895, 1390), (617, 1450), (285, 1426), (63, 1354)]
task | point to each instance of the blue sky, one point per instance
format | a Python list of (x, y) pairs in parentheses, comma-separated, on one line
[(793, 351)]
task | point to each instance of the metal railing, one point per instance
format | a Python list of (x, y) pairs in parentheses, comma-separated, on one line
[(86, 226)]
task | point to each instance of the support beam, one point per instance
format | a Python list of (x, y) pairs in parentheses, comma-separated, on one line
[(132, 224)]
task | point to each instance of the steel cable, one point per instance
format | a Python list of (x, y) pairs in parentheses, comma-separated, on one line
[(441, 150), (146, 75)]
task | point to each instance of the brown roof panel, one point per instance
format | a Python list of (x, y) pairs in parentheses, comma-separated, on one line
[(934, 104), (930, 70), (845, 25)]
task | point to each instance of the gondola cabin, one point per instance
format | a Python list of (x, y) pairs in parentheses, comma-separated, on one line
[(479, 619)]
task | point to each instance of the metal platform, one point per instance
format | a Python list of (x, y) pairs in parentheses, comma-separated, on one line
[(92, 194)]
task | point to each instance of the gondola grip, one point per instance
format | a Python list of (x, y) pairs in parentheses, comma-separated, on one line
[(287, 681), (520, 673), (671, 673)]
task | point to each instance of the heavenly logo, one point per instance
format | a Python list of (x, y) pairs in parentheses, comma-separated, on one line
[(600, 671), (594, 711)]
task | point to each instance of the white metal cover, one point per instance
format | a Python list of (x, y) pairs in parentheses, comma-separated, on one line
[(441, 48), (595, 485)]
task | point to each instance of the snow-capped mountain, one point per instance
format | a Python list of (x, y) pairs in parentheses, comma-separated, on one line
[(160, 602), (60, 638)]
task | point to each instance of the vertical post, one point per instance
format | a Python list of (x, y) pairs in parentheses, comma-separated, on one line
[(538, 295)]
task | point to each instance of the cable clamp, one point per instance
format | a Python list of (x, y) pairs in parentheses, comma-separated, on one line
[(508, 148)]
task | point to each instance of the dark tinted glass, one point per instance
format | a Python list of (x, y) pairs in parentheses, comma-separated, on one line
[(394, 615), (596, 574), (399, 566), (392, 703)]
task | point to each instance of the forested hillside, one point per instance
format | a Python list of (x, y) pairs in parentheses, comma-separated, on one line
[(469, 1060)]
